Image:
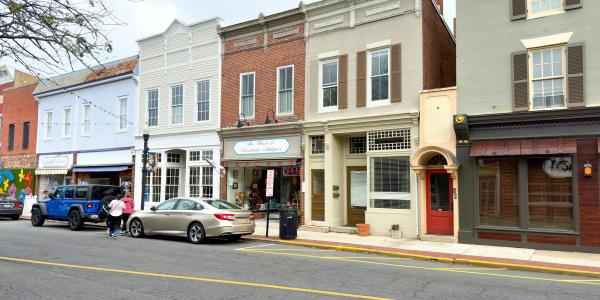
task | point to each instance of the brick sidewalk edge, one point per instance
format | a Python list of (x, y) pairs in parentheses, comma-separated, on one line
[(512, 264)]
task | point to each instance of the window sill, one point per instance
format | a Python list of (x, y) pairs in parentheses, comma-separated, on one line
[(378, 103), (329, 109), (516, 229), (547, 109), (545, 14), (398, 211), (285, 115)]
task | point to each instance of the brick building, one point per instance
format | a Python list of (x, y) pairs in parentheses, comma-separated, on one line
[(261, 108)]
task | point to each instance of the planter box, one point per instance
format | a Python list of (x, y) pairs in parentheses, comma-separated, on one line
[(396, 234)]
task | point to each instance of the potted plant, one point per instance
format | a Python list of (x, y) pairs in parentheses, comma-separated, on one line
[(395, 232), (363, 229)]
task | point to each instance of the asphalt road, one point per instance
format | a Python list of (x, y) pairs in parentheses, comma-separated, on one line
[(54, 263)]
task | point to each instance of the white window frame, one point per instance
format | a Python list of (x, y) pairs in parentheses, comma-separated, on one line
[(209, 100), (278, 90), (253, 95), (85, 107), (531, 79), (67, 134), (49, 126), (405, 196), (323, 109), (119, 113), (545, 13), (370, 101), (148, 107), (171, 104)]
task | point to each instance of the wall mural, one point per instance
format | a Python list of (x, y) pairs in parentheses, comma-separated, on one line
[(17, 183)]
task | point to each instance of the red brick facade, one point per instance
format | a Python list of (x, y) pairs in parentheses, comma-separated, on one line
[(439, 49), (19, 107), (251, 54)]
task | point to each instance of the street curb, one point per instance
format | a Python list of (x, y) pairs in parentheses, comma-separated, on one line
[(480, 261)]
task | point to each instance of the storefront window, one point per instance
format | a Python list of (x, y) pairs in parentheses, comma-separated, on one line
[(207, 182), (498, 192), (172, 184), (155, 181), (550, 193), (195, 182), (390, 182)]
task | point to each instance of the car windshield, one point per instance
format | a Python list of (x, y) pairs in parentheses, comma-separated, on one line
[(222, 204)]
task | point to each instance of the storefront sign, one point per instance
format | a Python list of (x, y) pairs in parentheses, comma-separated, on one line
[(55, 161), (270, 179), (266, 146), (292, 171)]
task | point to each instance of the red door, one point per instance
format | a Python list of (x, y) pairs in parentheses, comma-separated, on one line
[(440, 218)]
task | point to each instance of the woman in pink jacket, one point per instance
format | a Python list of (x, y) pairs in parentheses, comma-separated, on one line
[(127, 211)]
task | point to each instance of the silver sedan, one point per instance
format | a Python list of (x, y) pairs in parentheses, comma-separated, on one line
[(197, 219)]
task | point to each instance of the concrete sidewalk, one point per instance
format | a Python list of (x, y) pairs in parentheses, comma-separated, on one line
[(575, 263)]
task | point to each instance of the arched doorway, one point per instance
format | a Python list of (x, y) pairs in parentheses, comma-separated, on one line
[(436, 168)]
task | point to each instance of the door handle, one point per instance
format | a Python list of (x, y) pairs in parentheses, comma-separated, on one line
[(167, 214)]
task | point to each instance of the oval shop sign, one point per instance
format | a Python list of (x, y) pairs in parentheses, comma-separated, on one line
[(266, 146)]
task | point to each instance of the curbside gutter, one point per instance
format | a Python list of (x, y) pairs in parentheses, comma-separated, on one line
[(453, 259)]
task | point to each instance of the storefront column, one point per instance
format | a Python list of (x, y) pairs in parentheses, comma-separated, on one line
[(421, 173), (334, 180)]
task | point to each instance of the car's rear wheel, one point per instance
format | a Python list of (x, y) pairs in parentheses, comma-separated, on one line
[(196, 234), (75, 220), (136, 228), (15, 217), (37, 219)]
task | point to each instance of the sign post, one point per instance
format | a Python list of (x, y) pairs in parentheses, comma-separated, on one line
[(269, 194)]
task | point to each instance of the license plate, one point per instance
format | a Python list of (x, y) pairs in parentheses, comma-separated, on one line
[(243, 221), (7, 205)]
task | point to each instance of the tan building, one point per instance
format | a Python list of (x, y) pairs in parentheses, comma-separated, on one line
[(367, 62)]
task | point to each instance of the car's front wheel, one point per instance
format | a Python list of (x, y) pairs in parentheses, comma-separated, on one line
[(196, 234), (75, 220), (136, 228), (37, 219)]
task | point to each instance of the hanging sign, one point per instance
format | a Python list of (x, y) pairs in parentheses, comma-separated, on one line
[(270, 179), (151, 166), (264, 146), (292, 171)]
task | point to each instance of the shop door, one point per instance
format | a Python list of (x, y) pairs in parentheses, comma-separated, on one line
[(357, 195), (439, 203), (318, 195)]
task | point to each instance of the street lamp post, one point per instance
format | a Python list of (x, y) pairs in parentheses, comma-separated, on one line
[(144, 170)]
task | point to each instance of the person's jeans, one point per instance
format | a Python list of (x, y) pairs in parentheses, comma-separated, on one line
[(114, 222), (125, 217)]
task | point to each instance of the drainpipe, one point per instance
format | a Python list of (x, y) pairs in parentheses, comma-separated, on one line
[(418, 8), (417, 207)]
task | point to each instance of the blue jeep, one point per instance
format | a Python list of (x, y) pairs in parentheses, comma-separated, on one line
[(76, 204)]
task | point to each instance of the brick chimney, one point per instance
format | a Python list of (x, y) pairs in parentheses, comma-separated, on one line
[(440, 5)]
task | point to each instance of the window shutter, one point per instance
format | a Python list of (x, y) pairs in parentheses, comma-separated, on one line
[(575, 75), (518, 9), (396, 78), (361, 79), (573, 4), (343, 82), (520, 81)]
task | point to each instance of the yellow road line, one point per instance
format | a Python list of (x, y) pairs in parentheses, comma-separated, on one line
[(448, 260), (366, 258), (457, 270), (291, 250), (212, 280)]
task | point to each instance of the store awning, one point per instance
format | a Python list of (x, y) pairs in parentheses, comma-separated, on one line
[(99, 169), (259, 163), (524, 147), (51, 171)]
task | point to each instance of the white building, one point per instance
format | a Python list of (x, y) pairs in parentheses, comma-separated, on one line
[(179, 109)]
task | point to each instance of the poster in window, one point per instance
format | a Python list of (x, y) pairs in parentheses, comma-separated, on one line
[(558, 167)]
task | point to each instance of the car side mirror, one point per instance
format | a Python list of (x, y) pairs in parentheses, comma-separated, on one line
[(51, 196), (153, 208)]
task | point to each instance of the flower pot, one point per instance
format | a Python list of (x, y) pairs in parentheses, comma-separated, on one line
[(363, 229), (396, 234)]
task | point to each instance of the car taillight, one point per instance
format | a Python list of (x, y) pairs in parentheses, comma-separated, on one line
[(251, 216), (89, 205), (18, 204), (225, 217)]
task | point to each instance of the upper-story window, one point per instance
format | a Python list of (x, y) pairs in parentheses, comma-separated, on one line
[(26, 126), (67, 122), (285, 90), (548, 78), (317, 144), (379, 78), (11, 137), (48, 135), (203, 100), (177, 104), (86, 115), (538, 8), (329, 84), (247, 95), (122, 113), (152, 108)]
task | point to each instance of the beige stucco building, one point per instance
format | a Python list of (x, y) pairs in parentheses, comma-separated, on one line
[(367, 62)]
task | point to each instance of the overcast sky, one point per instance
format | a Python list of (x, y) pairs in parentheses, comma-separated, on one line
[(142, 18)]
